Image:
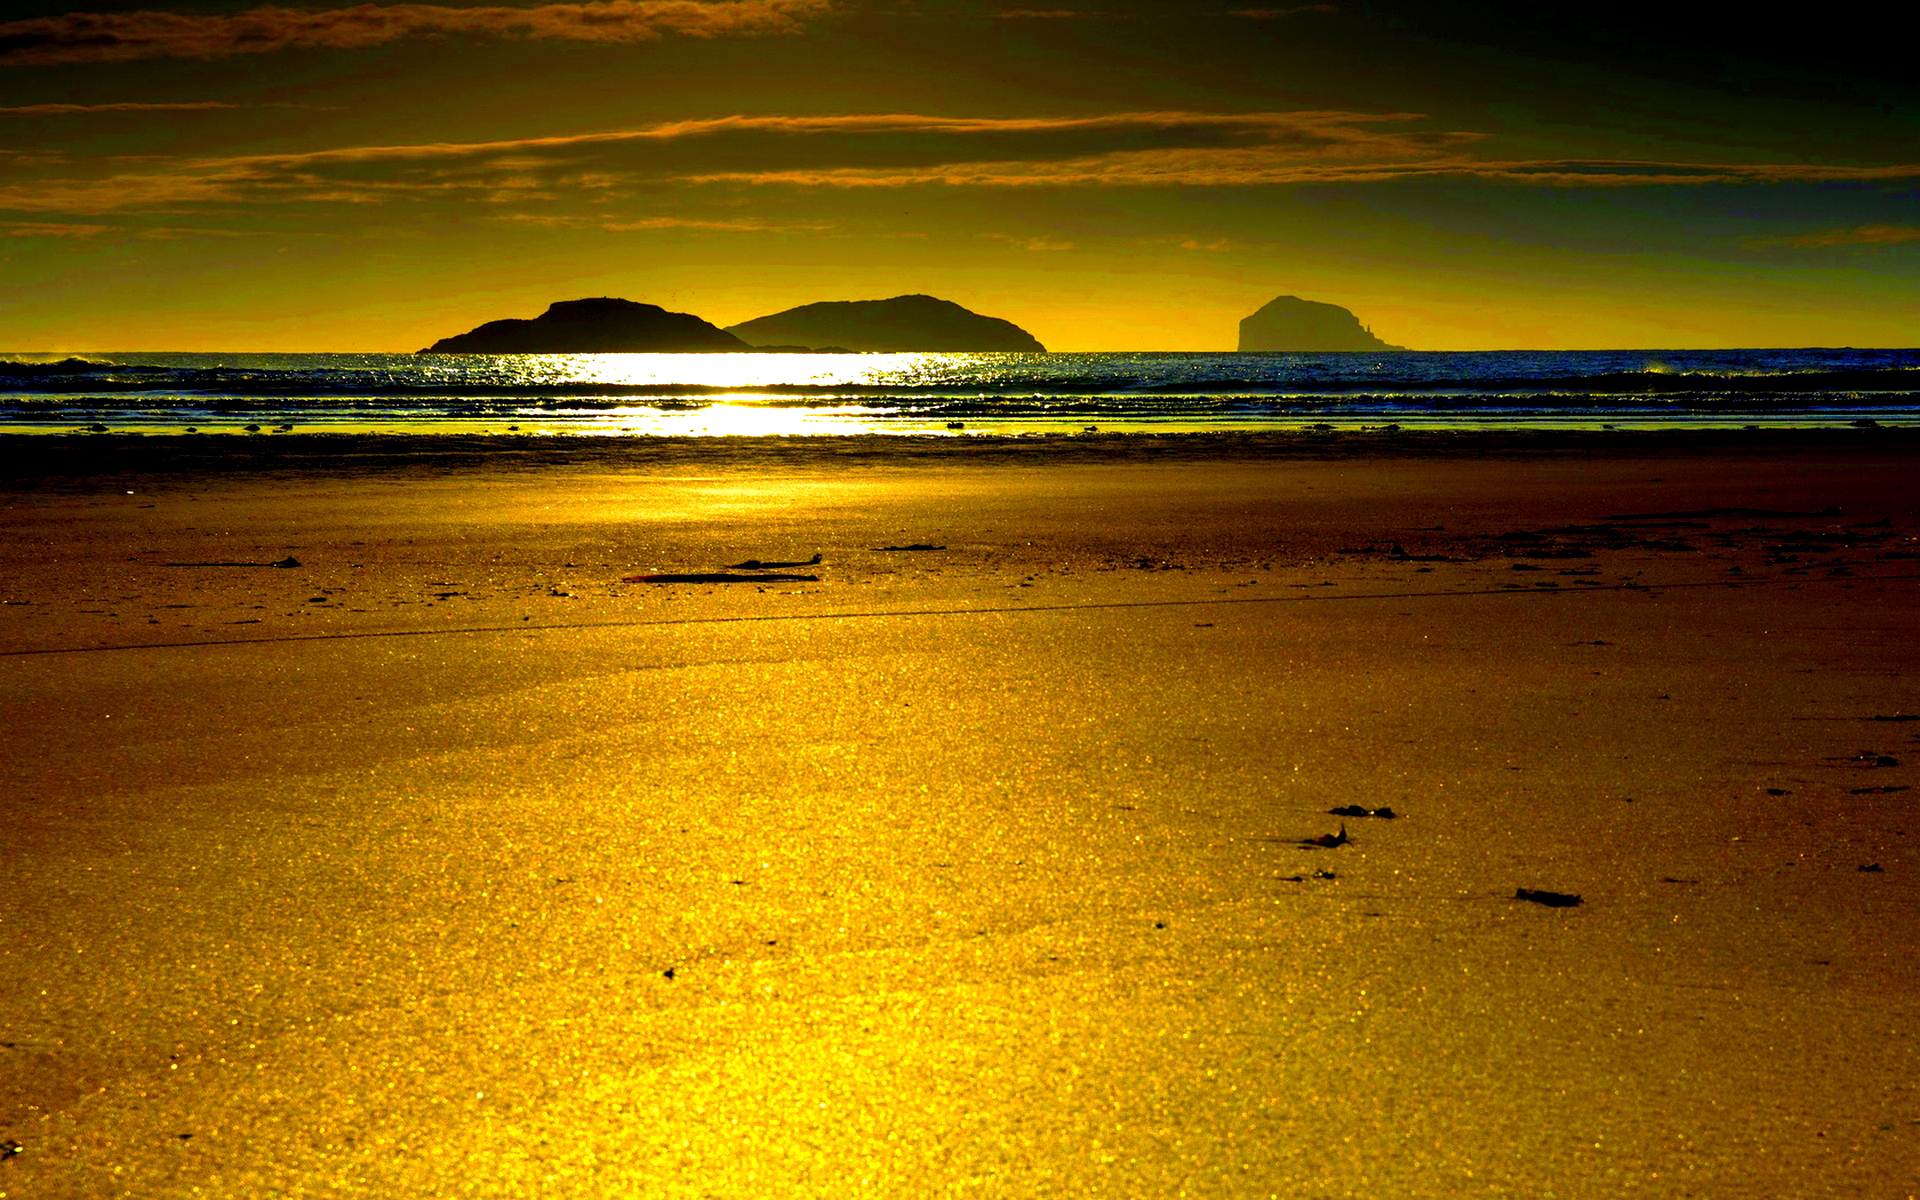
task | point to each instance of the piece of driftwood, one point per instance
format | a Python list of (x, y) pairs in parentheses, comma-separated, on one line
[(1550, 899), (754, 564), (719, 577)]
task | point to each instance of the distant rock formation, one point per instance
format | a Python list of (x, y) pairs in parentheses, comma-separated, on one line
[(1290, 323), (904, 323), (598, 326)]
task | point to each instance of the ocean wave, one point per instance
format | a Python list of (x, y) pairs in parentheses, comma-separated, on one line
[(33, 367), (76, 375), (1204, 389)]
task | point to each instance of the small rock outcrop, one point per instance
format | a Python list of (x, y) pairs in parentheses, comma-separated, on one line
[(904, 323), (602, 325), (1290, 323)]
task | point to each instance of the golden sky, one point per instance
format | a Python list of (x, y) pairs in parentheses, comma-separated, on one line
[(1132, 174)]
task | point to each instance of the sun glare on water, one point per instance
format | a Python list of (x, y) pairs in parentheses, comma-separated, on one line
[(743, 371), (727, 390), (722, 418)]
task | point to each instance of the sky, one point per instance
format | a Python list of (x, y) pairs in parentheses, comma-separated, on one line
[(1111, 175)]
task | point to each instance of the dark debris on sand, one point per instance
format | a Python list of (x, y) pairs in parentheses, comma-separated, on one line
[(1550, 899), (754, 564)]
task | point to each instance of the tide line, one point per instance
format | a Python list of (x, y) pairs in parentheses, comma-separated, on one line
[(885, 613)]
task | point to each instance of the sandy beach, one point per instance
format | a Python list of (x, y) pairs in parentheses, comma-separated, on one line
[(374, 828)]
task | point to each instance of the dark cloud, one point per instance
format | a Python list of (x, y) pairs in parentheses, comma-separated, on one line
[(59, 110), (120, 37), (1823, 57)]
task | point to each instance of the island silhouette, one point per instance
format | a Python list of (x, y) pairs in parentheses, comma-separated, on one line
[(606, 325), (903, 323), (601, 325), (1306, 326)]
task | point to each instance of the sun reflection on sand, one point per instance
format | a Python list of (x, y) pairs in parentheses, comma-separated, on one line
[(728, 417)]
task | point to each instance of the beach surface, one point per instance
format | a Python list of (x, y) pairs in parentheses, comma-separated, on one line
[(372, 826)]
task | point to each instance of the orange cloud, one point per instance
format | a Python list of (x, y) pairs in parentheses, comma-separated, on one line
[(1347, 162), (647, 224), (120, 37), (130, 192), (26, 229), (148, 233), (1133, 150), (1031, 243), (1862, 235), (1209, 245), (1254, 124), (368, 174), (40, 110)]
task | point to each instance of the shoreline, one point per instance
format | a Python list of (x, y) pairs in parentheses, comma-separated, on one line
[(26, 457)]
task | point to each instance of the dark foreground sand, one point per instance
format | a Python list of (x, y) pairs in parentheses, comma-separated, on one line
[(447, 863)]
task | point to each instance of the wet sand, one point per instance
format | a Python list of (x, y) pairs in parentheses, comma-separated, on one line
[(447, 861)]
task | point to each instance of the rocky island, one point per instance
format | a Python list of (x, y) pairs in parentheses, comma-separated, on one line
[(1290, 323), (904, 323), (602, 325)]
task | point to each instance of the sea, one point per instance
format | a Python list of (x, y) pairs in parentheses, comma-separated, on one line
[(957, 395)]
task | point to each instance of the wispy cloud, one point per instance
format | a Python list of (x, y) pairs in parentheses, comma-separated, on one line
[(1031, 243), (54, 110), (1274, 14), (76, 231), (676, 151), (1859, 235), (1217, 245), (1203, 127), (1269, 166), (48, 229), (120, 37), (887, 150), (610, 224)]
